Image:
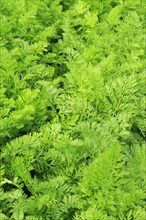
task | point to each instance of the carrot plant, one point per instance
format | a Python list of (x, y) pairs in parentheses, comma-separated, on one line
[(72, 110)]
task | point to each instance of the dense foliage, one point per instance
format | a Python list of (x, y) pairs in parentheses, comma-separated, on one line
[(72, 101)]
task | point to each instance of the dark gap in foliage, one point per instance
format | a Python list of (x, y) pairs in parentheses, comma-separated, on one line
[(60, 69), (78, 28), (8, 187), (88, 159), (70, 214), (66, 4), (60, 32), (57, 110), (137, 130), (33, 173), (114, 3), (60, 85), (53, 41), (4, 140), (121, 18), (26, 191)]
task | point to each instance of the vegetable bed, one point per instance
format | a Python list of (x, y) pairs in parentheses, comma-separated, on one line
[(72, 110)]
